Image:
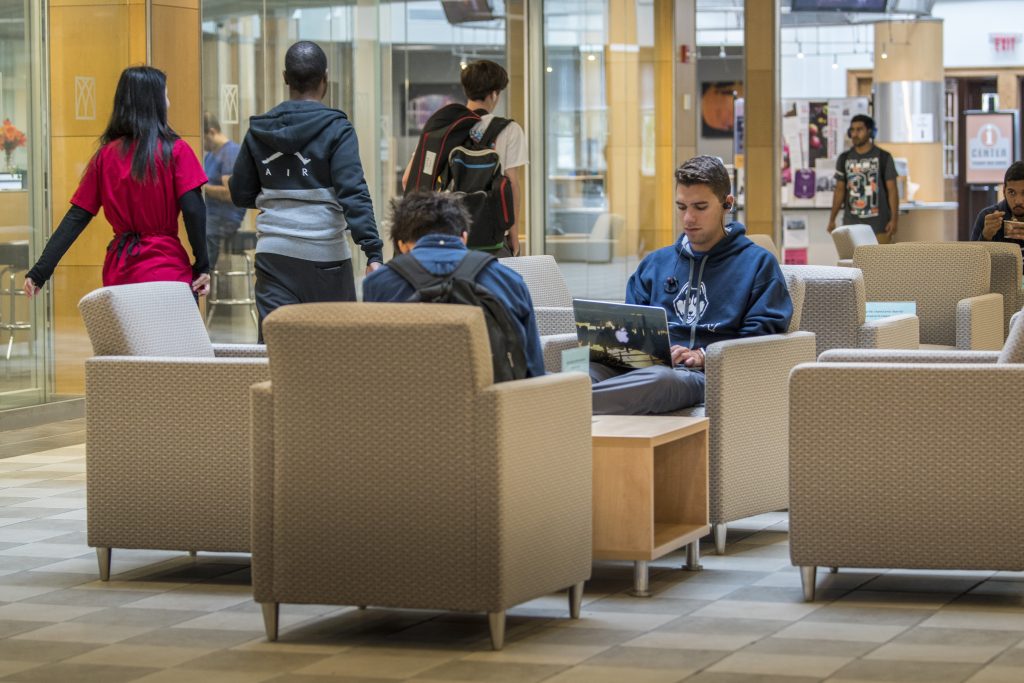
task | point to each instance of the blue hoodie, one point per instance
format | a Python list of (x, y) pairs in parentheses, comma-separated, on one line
[(734, 290)]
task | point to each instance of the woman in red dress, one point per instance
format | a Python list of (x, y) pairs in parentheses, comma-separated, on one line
[(143, 175)]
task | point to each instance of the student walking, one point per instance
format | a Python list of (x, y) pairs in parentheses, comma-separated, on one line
[(143, 176)]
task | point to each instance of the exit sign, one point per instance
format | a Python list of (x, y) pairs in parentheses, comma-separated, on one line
[(1004, 42)]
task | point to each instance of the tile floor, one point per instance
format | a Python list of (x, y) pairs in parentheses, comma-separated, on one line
[(165, 617)]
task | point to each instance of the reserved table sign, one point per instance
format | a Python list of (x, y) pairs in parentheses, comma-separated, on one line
[(876, 310)]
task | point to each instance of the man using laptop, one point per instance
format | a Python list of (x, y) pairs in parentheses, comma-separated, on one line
[(714, 284)]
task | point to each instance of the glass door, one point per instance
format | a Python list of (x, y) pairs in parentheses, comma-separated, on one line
[(23, 376)]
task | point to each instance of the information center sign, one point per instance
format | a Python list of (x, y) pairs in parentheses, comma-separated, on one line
[(992, 142)]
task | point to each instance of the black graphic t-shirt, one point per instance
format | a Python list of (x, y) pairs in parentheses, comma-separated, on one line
[(867, 200)]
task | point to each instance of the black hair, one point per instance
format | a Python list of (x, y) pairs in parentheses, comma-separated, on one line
[(210, 122), (1014, 173), (481, 78), (424, 213), (140, 117), (868, 122), (305, 66), (705, 170)]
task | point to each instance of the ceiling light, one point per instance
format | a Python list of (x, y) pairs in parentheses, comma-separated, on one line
[(884, 55), (799, 51), (721, 51), (462, 64), (835, 62), (591, 57), (549, 69)]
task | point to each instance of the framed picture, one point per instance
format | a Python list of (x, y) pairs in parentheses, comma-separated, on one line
[(717, 108), (424, 100)]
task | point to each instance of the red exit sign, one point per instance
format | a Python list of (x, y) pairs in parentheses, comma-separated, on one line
[(1004, 42)]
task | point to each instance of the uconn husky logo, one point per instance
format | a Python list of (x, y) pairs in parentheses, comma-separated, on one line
[(690, 304)]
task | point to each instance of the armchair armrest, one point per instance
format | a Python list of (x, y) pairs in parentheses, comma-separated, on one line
[(894, 332), (747, 403), (906, 356), (979, 322), (552, 347), (262, 446), (916, 465), (845, 263), (544, 482), (240, 350), (555, 320)]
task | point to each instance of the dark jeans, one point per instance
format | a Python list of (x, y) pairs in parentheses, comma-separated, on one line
[(283, 280), (647, 391), (218, 230)]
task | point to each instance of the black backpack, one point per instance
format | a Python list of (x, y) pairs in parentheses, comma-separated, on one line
[(448, 159), (461, 287)]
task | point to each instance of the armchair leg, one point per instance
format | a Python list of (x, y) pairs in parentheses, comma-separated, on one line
[(833, 570), (193, 553), (719, 531), (575, 600), (496, 620), (807, 579), (103, 558), (270, 613)]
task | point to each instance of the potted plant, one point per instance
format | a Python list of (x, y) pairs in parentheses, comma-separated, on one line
[(12, 138)]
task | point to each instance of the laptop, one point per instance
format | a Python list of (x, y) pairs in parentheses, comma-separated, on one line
[(623, 336)]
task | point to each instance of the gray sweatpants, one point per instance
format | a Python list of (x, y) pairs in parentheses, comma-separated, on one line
[(647, 391)]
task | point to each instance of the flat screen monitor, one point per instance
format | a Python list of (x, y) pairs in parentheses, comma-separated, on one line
[(463, 11), (839, 5)]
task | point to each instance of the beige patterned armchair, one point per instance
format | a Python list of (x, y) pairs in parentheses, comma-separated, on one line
[(847, 238), (834, 310), (922, 471), (1006, 275), (167, 424), (950, 284), (552, 302), (389, 469)]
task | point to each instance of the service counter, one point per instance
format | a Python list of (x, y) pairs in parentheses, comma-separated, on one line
[(918, 222)]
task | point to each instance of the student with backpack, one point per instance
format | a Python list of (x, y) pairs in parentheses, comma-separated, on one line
[(429, 231), (468, 150)]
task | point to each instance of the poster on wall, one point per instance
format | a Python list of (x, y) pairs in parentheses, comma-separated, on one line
[(717, 102), (825, 183), (992, 145), (813, 135), (425, 99)]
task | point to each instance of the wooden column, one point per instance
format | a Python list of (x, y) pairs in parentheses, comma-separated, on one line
[(90, 44), (763, 213)]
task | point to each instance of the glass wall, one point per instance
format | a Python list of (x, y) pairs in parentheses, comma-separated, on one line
[(390, 65), (603, 206), (23, 377)]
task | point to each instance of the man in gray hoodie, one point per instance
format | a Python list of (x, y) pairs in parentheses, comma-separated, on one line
[(299, 165)]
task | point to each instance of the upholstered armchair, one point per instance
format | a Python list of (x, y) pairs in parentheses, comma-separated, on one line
[(1006, 275), (389, 470), (922, 470), (834, 310), (552, 302), (765, 242), (847, 238), (167, 424), (951, 285)]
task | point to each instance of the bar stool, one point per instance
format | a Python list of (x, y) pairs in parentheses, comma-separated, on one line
[(13, 260), (242, 242)]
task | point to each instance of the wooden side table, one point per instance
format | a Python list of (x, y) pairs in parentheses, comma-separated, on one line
[(650, 489)]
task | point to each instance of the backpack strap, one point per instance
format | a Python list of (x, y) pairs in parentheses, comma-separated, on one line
[(494, 129), (471, 265), (413, 272)]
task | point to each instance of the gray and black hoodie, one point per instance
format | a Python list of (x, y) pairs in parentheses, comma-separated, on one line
[(299, 165)]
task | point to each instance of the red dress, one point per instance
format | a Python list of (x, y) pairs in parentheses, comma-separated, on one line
[(144, 215)]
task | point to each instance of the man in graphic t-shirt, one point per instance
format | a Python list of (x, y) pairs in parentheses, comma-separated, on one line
[(866, 183)]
